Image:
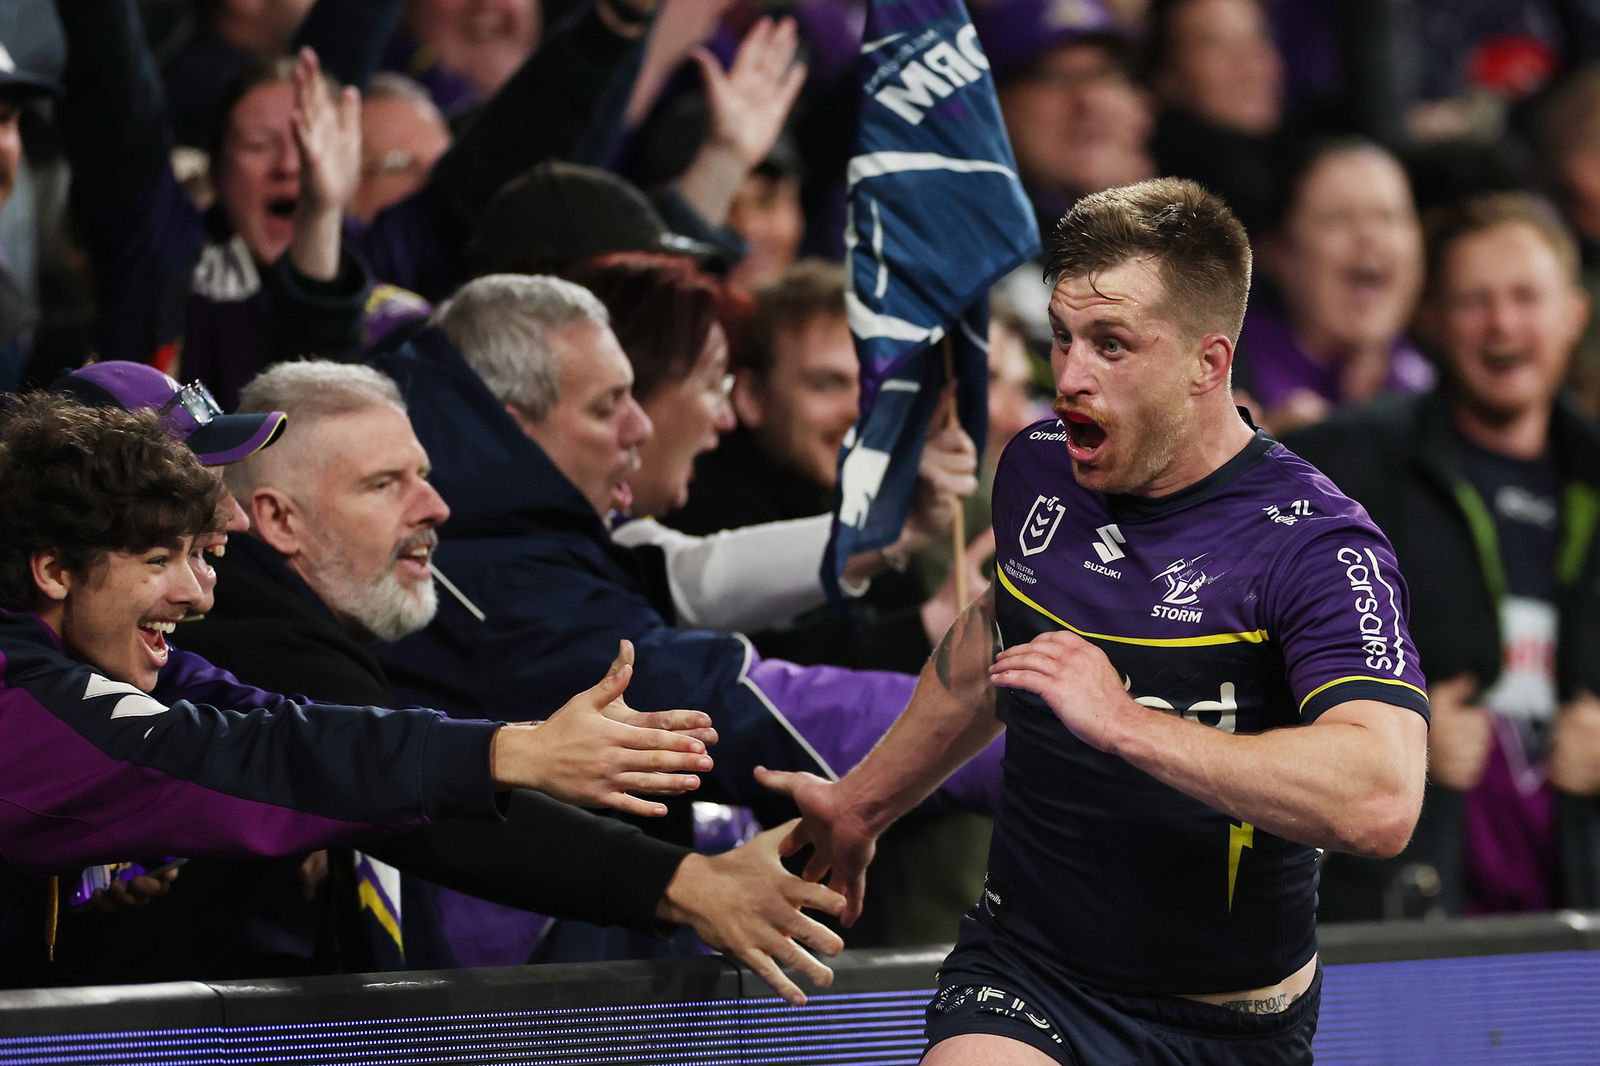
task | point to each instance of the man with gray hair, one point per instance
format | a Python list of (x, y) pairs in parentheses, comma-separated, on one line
[(344, 522), (522, 396)]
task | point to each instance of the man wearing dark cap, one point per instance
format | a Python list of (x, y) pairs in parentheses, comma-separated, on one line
[(17, 313), (553, 216), (558, 214)]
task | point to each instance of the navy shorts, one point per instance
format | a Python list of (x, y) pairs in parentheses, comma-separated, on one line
[(986, 988)]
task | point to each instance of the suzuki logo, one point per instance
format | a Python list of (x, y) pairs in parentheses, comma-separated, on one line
[(1041, 524), (1110, 536)]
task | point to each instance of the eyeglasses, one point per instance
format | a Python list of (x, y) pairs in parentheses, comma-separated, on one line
[(718, 388), (196, 401)]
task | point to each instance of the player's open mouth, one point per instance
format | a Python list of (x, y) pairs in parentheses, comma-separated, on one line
[(154, 636), (1085, 436)]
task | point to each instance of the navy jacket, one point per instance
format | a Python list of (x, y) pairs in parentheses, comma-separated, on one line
[(526, 547)]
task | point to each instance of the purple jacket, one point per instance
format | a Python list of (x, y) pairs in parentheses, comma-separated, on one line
[(98, 771)]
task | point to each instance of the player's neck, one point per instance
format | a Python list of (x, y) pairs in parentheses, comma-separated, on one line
[(1215, 437)]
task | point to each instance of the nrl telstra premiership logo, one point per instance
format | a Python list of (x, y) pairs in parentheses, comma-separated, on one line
[(1041, 524)]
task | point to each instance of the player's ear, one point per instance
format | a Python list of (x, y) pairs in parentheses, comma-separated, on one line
[(1212, 364)]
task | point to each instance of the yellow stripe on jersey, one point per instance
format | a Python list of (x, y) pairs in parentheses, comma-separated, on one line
[(1258, 636), (1360, 677)]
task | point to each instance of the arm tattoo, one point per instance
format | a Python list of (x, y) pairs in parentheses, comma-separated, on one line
[(1271, 1005), (941, 656), (976, 623)]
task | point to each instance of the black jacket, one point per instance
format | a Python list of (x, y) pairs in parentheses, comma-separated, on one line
[(246, 918), (1398, 458)]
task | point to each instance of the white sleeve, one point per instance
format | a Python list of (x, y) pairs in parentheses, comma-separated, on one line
[(753, 577)]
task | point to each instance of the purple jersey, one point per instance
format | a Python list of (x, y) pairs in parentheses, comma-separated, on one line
[(1255, 599)]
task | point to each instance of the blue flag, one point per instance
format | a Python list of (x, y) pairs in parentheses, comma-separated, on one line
[(936, 216)]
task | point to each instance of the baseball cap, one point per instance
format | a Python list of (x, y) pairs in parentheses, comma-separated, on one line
[(557, 214), (189, 413), (1016, 32), (14, 77)]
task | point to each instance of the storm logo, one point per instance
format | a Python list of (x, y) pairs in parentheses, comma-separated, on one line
[(1184, 580)]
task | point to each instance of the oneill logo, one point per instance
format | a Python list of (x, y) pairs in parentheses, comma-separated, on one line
[(1040, 525), (1110, 536)]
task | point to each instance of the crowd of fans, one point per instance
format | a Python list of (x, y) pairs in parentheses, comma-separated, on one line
[(549, 294)]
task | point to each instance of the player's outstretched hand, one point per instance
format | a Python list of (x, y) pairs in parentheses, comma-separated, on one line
[(1071, 675), (745, 904), (841, 843), (582, 754)]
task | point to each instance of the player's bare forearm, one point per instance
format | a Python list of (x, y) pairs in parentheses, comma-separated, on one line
[(1351, 781), (951, 717)]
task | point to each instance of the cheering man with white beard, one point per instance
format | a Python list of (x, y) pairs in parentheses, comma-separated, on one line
[(343, 522)]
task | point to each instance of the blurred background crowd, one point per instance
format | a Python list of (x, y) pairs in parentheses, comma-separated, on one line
[(211, 187)]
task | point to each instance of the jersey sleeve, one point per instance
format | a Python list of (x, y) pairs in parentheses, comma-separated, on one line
[(99, 771), (1339, 609)]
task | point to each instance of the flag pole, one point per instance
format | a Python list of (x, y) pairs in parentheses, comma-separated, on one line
[(958, 528)]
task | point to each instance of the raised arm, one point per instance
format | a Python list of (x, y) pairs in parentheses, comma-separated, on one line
[(350, 35), (951, 717), (748, 104), (114, 112), (327, 132), (564, 102)]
